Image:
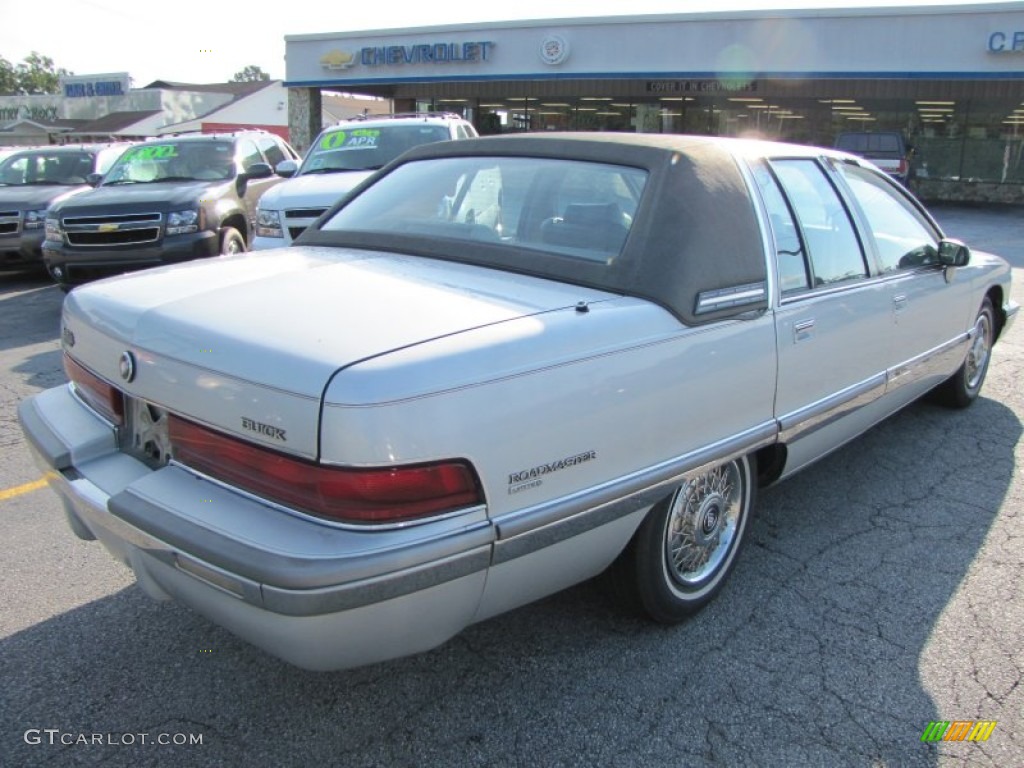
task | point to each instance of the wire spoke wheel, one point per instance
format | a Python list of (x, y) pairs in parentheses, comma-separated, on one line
[(962, 388), (977, 356), (686, 546), (702, 524)]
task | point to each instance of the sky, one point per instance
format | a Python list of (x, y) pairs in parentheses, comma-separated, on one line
[(206, 41)]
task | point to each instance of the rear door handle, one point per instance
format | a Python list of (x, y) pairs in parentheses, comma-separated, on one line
[(899, 302), (803, 330)]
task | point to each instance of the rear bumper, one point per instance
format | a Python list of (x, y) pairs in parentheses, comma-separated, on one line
[(318, 596), (72, 266)]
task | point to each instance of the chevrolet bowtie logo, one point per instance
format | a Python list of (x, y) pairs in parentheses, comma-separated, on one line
[(108, 227)]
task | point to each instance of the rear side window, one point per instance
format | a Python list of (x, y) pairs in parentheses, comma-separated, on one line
[(790, 256), (833, 248)]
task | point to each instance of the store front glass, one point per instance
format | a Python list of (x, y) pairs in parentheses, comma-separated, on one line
[(956, 132)]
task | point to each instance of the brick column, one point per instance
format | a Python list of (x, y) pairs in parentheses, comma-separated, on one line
[(304, 111)]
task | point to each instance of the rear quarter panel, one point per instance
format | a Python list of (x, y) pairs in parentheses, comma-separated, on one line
[(624, 386)]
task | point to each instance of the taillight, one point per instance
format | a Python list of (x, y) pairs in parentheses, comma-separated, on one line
[(904, 165), (104, 398), (354, 495)]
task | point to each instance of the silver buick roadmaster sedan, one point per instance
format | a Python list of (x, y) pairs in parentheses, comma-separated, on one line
[(499, 367)]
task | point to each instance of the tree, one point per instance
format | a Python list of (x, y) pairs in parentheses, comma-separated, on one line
[(8, 78), (250, 74), (36, 74)]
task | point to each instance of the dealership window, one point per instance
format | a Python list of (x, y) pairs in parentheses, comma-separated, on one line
[(955, 131)]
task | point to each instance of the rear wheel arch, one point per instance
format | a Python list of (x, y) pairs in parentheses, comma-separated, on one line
[(771, 462), (687, 544)]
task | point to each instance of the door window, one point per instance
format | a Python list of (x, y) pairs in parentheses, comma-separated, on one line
[(833, 248), (903, 238)]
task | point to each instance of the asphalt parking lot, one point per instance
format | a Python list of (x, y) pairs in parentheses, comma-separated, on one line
[(880, 590)]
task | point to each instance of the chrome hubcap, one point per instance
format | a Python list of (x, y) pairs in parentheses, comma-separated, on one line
[(977, 355), (702, 524)]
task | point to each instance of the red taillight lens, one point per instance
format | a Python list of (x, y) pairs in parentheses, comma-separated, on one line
[(389, 495), (103, 397)]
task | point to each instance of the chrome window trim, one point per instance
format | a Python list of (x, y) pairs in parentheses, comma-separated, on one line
[(765, 225), (863, 282)]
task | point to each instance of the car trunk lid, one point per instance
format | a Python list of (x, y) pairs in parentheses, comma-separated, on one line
[(248, 345)]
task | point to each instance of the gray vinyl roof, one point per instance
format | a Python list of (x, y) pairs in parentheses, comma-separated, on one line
[(695, 232)]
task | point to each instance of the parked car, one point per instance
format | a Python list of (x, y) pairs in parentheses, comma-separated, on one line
[(341, 157), (499, 368), (165, 201), (6, 152), (886, 149), (31, 180)]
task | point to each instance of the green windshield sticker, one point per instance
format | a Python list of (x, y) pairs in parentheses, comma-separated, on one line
[(153, 152), (360, 138)]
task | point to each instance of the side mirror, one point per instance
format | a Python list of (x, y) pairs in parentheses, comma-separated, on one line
[(258, 171), (953, 253), (287, 168), (94, 179)]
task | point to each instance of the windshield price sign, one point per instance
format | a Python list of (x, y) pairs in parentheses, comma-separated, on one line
[(361, 138)]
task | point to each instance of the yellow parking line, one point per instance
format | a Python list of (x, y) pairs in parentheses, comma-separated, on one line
[(18, 490)]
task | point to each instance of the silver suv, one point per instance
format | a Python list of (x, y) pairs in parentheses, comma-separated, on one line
[(339, 159)]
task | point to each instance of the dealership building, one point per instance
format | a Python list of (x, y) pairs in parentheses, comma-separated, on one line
[(949, 78)]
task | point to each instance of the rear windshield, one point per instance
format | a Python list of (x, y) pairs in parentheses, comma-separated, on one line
[(573, 208), (366, 149)]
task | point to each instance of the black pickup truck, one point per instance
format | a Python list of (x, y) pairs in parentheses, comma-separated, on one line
[(166, 200)]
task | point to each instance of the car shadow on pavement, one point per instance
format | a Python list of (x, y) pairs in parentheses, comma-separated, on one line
[(820, 650), (44, 369), (25, 298)]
